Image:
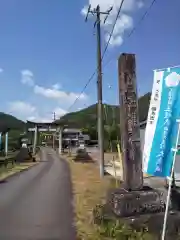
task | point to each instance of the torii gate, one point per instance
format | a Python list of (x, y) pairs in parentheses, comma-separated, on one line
[(6, 141), (44, 127)]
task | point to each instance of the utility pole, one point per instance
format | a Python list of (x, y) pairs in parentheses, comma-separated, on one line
[(35, 140), (54, 118), (97, 13), (60, 139)]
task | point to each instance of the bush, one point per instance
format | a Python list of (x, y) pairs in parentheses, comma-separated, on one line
[(119, 231), (111, 228)]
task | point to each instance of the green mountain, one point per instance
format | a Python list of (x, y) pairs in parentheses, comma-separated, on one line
[(15, 128), (82, 119), (88, 117), (85, 119), (9, 121)]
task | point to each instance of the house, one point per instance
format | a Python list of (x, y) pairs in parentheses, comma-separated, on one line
[(73, 135)]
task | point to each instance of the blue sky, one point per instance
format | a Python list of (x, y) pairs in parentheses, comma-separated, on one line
[(48, 52)]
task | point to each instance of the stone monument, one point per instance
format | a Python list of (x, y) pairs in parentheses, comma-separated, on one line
[(133, 198), (135, 203)]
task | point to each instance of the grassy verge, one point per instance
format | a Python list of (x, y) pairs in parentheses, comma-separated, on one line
[(13, 169), (90, 190)]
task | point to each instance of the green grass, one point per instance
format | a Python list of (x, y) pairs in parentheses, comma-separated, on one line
[(89, 191), (117, 230), (13, 169)]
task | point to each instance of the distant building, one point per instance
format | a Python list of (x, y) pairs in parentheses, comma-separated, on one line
[(86, 138), (48, 130), (73, 135)]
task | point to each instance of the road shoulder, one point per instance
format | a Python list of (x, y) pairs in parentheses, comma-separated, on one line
[(15, 169)]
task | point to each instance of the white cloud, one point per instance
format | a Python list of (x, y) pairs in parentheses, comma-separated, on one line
[(27, 77), (125, 21), (56, 86), (56, 94), (41, 119), (31, 118), (22, 108), (84, 10), (59, 112), (45, 117), (128, 5), (115, 41), (26, 111)]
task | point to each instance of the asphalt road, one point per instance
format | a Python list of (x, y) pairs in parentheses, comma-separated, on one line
[(37, 204)]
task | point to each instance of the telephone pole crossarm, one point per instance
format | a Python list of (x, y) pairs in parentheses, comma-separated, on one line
[(96, 11)]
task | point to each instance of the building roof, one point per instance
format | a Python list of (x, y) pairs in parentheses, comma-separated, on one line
[(72, 130), (86, 137), (41, 124)]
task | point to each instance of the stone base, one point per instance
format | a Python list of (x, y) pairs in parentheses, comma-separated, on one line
[(82, 155), (141, 210), (131, 203), (152, 222)]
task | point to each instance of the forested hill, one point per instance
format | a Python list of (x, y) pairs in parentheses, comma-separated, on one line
[(11, 122), (88, 116)]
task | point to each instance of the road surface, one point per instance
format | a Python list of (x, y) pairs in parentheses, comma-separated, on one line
[(37, 204)]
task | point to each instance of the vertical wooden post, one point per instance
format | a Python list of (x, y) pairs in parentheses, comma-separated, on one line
[(60, 140), (35, 140), (0, 141), (6, 144), (99, 95), (129, 123)]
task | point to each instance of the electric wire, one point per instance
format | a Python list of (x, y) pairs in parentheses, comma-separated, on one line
[(108, 42), (106, 47)]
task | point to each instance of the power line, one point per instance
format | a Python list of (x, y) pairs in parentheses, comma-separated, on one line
[(135, 28), (127, 37), (89, 80), (94, 73), (142, 18), (110, 36)]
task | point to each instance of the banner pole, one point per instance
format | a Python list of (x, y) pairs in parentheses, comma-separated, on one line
[(170, 183)]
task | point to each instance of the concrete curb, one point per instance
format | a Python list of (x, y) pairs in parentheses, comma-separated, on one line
[(17, 173)]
